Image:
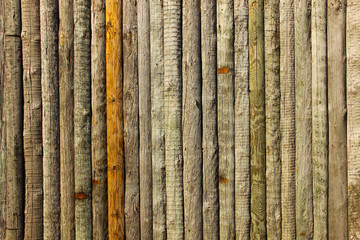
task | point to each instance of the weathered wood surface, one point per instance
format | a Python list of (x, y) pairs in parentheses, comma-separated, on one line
[(287, 119), (337, 202), (210, 146), (114, 120), (191, 118), (30, 35), (98, 121), (66, 102), (226, 115), (257, 120), (49, 15), (304, 193), (319, 118), (131, 120), (14, 118), (157, 119), (272, 108), (172, 112), (353, 117)]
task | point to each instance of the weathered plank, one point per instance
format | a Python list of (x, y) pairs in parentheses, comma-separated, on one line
[(257, 120), (337, 202)]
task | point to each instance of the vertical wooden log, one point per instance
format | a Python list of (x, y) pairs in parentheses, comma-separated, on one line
[(30, 16), (131, 120), (14, 119), (272, 108), (172, 111), (336, 31), (209, 120), (98, 122), (226, 126), (157, 119), (257, 120), (50, 116), (319, 118), (66, 98), (114, 119), (191, 119), (242, 121), (353, 106), (304, 204), (287, 119)]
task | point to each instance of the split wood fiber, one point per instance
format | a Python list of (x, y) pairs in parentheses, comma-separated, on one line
[(257, 120), (287, 119), (226, 117), (30, 16), (172, 112), (49, 16), (2, 127), (114, 120), (336, 38)]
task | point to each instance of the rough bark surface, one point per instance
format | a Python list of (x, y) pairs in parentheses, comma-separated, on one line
[(287, 119), (172, 111), (157, 119), (353, 117), (98, 121), (131, 120), (226, 112), (50, 117), (336, 31), (257, 120), (114, 120), (304, 193), (14, 118), (210, 146)]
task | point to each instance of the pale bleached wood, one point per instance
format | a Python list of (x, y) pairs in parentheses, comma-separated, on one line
[(257, 120), (287, 119), (353, 117), (30, 16), (14, 121), (337, 205), (319, 118), (209, 120), (172, 111), (191, 119), (242, 121), (157, 119), (304, 200), (272, 108), (50, 117), (226, 112)]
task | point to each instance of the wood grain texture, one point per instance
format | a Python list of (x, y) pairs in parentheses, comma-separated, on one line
[(172, 111), (304, 193), (191, 119), (226, 117), (257, 120), (114, 120), (49, 15), (14, 118), (30, 16), (131, 120), (98, 121), (272, 108), (353, 117), (242, 121), (157, 119), (337, 202), (66, 102), (287, 119), (319, 118), (210, 147), (82, 119)]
